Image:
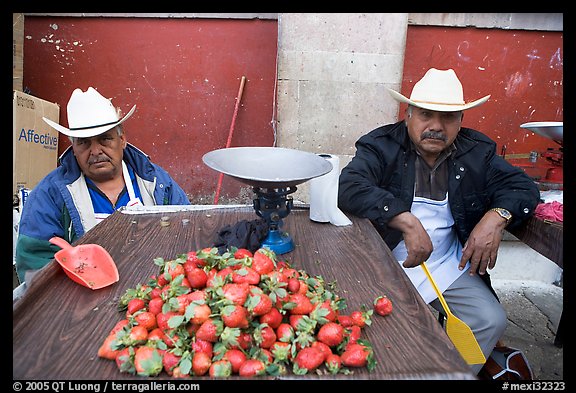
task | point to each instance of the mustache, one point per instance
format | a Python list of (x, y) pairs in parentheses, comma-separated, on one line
[(433, 135), (97, 160)]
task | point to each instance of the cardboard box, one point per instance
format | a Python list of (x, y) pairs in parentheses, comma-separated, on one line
[(35, 143)]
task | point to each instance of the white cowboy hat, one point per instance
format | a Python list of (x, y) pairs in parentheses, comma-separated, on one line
[(89, 114), (438, 90)]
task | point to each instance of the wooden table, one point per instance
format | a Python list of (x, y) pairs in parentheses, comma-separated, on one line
[(546, 238), (58, 325)]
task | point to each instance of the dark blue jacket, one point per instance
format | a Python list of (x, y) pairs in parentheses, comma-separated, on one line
[(51, 209)]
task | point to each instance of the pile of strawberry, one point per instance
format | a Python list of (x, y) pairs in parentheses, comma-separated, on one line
[(239, 313)]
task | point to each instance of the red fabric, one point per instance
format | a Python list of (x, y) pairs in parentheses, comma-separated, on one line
[(553, 211)]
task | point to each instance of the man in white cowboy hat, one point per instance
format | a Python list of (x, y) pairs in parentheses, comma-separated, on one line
[(99, 173), (438, 192)]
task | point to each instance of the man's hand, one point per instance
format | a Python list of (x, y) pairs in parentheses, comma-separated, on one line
[(418, 243), (482, 245)]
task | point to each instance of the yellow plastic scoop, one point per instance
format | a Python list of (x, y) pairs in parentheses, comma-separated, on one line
[(459, 333)]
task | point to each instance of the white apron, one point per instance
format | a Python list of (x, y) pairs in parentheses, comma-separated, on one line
[(134, 200), (437, 219)]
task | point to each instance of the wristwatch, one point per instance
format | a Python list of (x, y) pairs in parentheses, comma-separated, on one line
[(505, 214)]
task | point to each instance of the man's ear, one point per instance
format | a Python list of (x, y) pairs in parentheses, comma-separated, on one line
[(124, 140)]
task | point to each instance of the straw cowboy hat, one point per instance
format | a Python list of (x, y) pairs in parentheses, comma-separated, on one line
[(438, 90), (89, 114)]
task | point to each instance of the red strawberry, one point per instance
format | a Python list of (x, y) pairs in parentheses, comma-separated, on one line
[(135, 305), (265, 355), (201, 363), (285, 332), (155, 305), (198, 313), (224, 273), (361, 318), (244, 341), (210, 330), (251, 368), (345, 320), (199, 345), (170, 361), (156, 292), (302, 306), (246, 275), (324, 348), (236, 358), (353, 333), (138, 334), (182, 302), (288, 271), (264, 336), (237, 293), (162, 280), (173, 269), (281, 351), (170, 338), (220, 369), (196, 277), (293, 285), (357, 355), (211, 278), (147, 361), (119, 325), (263, 261), (242, 253), (382, 305), (125, 360), (331, 334), (308, 359), (198, 294), (163, 320), (235, 316), (258, 304), (146, 319), (107, 349), (273, 318), (156, 334), (303, 289), (324, 312), (192, 259), (295, 320), (333, 363), (177, 372)]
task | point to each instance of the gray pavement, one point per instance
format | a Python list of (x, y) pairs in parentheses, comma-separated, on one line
[(534, 310)]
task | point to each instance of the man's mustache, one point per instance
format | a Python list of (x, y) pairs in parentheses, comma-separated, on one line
[(97, 160), (433, 135)]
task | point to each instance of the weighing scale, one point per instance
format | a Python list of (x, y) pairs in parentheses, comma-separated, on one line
[(552, 130), (273, 173)]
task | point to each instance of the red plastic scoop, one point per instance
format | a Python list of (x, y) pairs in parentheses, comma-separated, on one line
[(87, 264)]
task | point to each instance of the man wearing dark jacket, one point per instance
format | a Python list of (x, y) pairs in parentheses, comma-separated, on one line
[(438, 193)]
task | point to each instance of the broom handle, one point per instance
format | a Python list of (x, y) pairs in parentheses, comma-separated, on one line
[(230, 133), (436, 289)]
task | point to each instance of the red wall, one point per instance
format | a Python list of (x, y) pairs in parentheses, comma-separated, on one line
[(522, 70), (183, 75)]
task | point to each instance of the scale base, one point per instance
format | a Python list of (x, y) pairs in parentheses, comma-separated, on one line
[(278, 241)]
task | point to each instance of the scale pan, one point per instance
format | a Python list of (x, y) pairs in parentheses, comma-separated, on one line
[(549, 129), (267, 167)]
